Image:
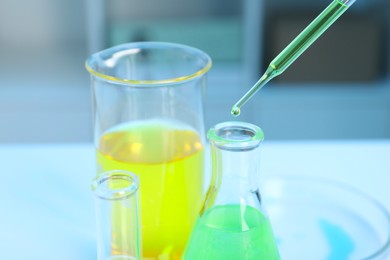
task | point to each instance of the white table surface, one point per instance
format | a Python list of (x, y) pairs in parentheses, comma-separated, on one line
[(48, 209)]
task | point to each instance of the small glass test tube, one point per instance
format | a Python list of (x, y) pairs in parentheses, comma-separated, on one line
[(117, 216)]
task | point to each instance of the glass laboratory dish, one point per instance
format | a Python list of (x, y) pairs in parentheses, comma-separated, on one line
[(232, 222), (117, 216), (148, 119), (315, 218)]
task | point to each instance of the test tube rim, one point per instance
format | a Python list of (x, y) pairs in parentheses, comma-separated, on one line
[(117, 194)]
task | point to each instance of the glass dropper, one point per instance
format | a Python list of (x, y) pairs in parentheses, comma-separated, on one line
[(311, 33)]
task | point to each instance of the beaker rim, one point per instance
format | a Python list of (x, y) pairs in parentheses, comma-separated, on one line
[(236, 136), (89, 64), (102, 189)]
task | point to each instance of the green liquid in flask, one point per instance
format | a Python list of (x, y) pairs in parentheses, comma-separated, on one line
[(232, 232)]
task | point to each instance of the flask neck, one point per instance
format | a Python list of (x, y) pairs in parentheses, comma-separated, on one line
[(235, 165), (238, 168)]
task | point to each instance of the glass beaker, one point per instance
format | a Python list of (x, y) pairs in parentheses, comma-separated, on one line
[(117, 217), (232, 222), (148, 119)]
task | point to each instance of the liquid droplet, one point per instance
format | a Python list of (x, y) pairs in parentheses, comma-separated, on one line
[(235, 111)]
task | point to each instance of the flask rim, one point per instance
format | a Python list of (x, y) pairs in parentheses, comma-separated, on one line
[(236, 136)]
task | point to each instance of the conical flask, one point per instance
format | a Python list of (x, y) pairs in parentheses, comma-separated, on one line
[(232, 222)]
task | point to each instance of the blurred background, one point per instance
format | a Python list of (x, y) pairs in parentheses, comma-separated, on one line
[(338, 89)]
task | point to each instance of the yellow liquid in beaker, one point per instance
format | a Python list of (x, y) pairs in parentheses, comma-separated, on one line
[(168, 158)]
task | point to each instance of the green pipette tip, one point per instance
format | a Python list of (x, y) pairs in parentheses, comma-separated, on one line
[(235, 111), (310, 34)]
